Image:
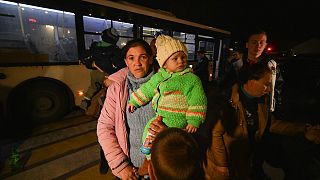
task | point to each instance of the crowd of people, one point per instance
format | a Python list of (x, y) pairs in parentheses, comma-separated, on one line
[(157, 99)]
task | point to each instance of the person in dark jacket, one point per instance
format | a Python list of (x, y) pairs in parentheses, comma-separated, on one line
[(202, 68), (256, 43), (103, 59)]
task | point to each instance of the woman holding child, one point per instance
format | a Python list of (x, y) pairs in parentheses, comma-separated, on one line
[(119, 132)]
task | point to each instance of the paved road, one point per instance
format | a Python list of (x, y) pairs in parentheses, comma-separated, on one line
[(66, 149)]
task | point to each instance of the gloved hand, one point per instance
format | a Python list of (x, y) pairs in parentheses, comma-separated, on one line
[(88, 62)]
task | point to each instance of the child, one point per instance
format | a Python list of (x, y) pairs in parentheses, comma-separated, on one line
[(177, 94), (169, 163)]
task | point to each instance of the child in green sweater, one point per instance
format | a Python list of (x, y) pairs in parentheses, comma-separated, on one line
[(176, 92)]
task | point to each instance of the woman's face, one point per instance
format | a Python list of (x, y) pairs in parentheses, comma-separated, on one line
[(138, 61), (258, 88)]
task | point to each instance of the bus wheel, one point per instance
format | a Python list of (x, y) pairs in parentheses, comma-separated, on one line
[(39, 100)]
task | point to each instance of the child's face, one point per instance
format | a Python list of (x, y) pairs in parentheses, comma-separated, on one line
[(177, 62)]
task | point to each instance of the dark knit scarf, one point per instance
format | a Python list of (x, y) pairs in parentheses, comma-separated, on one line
[(134, 83)]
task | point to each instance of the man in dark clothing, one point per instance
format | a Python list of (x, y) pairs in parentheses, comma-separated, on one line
[(256, 43), (103, 58), (202, 68)]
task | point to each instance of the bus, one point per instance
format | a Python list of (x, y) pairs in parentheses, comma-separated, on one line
[(41, 79)]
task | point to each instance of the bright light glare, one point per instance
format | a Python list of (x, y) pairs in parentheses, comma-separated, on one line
[(45, 9), (80, 93), (50, 27), (8, 2)]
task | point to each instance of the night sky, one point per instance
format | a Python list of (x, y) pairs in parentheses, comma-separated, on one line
[(287, 23)]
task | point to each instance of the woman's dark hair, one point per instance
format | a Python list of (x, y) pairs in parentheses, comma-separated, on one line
[(135, 43), (253, 71)]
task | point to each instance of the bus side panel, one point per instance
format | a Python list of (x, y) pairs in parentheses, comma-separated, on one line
[(76, 77)]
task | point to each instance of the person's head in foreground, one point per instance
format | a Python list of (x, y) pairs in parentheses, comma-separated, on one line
[(174, 156), (171, 54)]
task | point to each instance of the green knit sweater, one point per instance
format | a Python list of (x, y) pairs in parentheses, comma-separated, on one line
[(178, 98)]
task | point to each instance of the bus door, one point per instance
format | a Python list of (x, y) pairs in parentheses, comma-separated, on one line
[(208, 44)]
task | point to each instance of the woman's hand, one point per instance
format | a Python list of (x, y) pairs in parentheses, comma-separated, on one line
[(313, 133), (157, 126), (191, 129), (131, 108), (129, 173)]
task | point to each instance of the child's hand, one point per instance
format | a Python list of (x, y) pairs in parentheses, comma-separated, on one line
[(191, 129), (131, 108)]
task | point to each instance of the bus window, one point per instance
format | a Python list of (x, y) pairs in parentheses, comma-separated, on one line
[(124, 29), (123, 41), (208, 46), (34, 34), (150, 33), (97, 25), (189, 40), (10, 33), (191, 51), (93, 28), (180, 35), (90, 38), (125, 32)]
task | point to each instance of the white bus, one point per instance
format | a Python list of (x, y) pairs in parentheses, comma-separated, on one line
[(41, 79)]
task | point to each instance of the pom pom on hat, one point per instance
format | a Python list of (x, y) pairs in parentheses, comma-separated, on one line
[(166, 46)]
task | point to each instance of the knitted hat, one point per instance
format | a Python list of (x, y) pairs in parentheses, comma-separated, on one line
[(110, 35), (166, 46)]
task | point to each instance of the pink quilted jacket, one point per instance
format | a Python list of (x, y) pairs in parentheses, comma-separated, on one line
[(111, 129)]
